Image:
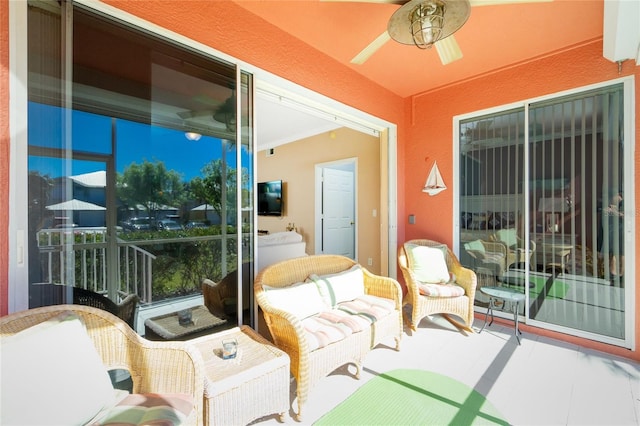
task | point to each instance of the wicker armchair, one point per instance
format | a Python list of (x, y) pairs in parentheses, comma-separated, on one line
[(155, 367), (516, 253), (423, 306), (221, 298), (56, 294), (491, 255), (309, 366)]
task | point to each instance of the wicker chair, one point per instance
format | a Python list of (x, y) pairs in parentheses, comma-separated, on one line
[(307, 366), (516, 252), (221, 298), (155, 367), (423, 306), (491, 255), (55, 294)]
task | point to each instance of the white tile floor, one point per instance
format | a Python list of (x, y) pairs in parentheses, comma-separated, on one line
[(541, 382)]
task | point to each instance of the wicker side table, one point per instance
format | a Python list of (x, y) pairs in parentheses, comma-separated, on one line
[(253, 384)]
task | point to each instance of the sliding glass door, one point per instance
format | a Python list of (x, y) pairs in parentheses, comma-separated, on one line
[(542, 209), (140, 164)]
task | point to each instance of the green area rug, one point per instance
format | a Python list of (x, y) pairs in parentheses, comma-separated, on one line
[(558, 289), (414, 397)]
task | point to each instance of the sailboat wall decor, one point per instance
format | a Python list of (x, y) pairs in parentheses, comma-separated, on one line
[(434, 184)]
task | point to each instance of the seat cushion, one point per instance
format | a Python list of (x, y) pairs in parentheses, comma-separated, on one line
[(493, 258), (440, 290), (322, 331), (371, 307), (355, 322), (149, 409), (53, 375), (427, 263)]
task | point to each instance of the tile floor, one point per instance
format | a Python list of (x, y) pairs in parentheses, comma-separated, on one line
[(541, 382)]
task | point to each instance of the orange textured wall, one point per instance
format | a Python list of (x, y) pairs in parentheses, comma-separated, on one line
[(431, 133), (4, 154)]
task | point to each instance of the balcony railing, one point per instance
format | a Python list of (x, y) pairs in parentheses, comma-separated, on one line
[(77, 257)]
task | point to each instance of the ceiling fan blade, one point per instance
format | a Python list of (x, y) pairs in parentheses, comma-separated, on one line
[(376, 44), (500, 2), (185, 115), (448, 50)]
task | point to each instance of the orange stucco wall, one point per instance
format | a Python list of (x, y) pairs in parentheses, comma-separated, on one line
[(430, 133)]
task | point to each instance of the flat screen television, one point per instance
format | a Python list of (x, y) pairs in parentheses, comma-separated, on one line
[(270, 198)]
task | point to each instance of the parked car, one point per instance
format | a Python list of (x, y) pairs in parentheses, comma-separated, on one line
[(168, 225), (137, 224), (195, 224)]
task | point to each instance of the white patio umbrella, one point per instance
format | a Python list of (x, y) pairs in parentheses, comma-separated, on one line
[(202, 207)]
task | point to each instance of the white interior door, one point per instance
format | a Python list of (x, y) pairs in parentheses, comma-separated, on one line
[(338, 212)]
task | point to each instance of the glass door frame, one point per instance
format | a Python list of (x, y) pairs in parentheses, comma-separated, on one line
[(630, 203), (18, 274)]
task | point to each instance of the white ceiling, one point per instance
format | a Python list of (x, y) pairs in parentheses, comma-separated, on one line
[(278, 124)]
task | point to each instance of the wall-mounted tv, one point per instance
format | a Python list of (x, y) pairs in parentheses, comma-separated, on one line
[(270, 200)]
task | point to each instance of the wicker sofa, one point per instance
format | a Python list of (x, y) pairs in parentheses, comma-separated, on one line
[(292, 328), (67, 380)]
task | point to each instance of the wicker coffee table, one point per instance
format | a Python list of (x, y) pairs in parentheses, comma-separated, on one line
[(168, 327), (253, 384)]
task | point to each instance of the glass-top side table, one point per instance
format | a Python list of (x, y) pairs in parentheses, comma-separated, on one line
[(504, 294)]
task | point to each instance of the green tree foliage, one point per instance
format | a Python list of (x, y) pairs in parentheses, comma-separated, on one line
[(151, 185), (208, 189)]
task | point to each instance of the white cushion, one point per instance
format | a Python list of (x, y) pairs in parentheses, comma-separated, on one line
[(508, 236), (427, 263), (279, 238), (342, 286), (300, 299), (52, 375), (475, 245)]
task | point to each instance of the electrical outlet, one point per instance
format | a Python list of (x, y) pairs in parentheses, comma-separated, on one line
[(369, 261)]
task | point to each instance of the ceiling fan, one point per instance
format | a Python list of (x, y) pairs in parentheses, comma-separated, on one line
[(425, 23), (221, 112)]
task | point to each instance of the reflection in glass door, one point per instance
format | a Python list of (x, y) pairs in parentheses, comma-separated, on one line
[(542, 210), (577, 211), (136, 178)]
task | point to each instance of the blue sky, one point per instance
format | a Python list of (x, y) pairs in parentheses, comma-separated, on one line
[(136, 142)]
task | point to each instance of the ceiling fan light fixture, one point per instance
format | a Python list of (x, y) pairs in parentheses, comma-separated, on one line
[(424, 22), (192, 136), (427, 20)]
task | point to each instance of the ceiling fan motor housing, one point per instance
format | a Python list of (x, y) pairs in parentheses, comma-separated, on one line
[(424, 22)]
